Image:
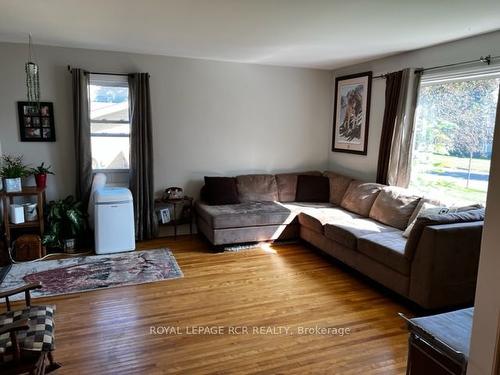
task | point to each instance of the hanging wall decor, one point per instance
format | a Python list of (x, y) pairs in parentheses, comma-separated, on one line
[(36, 121), (351, 113), (32, 76)]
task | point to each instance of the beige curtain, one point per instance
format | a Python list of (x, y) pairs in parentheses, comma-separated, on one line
[(401, 149)]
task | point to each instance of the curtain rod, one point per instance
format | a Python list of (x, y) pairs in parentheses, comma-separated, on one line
[(109, 74), (484, 59)]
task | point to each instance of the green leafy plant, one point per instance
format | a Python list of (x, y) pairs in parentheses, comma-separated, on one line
[(41, 169), (66, 219), (12, 166)]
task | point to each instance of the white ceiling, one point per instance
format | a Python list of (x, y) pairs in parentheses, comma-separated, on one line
[(307, 33)]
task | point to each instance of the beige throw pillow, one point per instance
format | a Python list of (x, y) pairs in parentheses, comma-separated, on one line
[(425, 209)]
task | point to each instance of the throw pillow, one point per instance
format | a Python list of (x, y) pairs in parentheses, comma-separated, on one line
[(360, 196), (425, 209), (312, 189), (221, 190)]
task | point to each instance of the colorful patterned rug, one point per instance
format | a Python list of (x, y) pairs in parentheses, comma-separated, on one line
[(86, 273)]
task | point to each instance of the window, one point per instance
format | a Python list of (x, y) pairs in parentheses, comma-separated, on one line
[(109, 122), (452, 143)]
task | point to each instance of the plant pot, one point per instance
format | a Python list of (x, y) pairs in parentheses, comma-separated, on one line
[(69, 245), (13, 185), (41, 180)]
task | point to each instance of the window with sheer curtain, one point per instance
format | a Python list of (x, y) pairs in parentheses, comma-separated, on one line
[(453, 135)]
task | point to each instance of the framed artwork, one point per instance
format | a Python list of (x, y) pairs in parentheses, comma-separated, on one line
[(351, 113), (36, 122)]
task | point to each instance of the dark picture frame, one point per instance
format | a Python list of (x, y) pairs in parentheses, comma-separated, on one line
[(351, 113), (36, 122)]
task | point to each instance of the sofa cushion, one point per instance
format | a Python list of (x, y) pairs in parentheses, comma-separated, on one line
[(360, 196), (347, 232), (387, 248), (421, 202), (338, 186), (316, 218), (425, 209), (312, 189), (220, 190), (245, 214), (449, 218), (257, 187), (394, 206), (287, 185)]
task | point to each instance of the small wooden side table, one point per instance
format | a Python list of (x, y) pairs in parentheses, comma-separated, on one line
[(183, 206), (7, 200)]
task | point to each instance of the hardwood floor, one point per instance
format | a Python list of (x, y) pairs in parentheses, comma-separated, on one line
[(289, 286)]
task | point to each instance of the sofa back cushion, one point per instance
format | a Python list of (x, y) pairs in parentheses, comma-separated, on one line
[(220, 190), (427, 220), (338, 186), (257, 187), (360, 196), (313, 189), (394, 206), (287, 185)]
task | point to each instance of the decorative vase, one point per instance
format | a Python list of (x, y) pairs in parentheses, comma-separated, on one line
[(13, 185), (41, 180)]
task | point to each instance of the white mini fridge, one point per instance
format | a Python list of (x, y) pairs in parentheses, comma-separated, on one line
[(114, 220)]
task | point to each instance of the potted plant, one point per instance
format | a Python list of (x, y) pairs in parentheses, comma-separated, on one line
[(12, 170), (40, 174), (66, 224)]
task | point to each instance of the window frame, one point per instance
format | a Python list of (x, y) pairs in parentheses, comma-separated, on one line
[(110, 81), (450, 76)]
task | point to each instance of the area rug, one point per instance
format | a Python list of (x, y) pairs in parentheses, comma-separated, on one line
[(86, 273)]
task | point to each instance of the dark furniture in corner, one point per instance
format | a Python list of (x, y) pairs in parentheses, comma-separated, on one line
[(439, 344)]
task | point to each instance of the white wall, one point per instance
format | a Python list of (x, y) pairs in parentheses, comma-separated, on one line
[(365, 167), (487, 305), (209, 117)]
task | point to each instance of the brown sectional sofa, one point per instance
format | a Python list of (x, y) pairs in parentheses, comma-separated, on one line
[(362, 226)]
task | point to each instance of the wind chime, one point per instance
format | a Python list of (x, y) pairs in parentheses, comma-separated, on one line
[(32, 77)]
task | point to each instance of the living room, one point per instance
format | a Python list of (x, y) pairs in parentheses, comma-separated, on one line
[(290, 176)]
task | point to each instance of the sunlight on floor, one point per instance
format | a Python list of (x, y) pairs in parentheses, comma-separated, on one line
[(267, 247)]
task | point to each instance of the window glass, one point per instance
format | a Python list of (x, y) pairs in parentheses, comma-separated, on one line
[(110, 126), (453, 139)]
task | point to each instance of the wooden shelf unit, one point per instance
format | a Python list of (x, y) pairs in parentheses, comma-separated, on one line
[(8, 199)]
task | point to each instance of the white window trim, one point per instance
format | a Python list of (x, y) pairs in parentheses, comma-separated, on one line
[(113, 81)]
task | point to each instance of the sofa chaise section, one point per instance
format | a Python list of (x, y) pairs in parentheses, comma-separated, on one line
[(245, 222)]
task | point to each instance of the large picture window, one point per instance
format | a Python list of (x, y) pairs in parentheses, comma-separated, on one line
[(453, 137), (109, 121)]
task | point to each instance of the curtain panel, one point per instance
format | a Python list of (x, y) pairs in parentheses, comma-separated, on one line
[(141, 156), (394, 166), (392, 90), (81, 123)]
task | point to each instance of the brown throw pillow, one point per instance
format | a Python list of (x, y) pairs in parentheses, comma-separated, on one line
[(394, 206), (221, 190), (312, 189)]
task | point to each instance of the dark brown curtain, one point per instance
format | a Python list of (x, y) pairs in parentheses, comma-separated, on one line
[(392, 94), (81, 122), (141, 155)]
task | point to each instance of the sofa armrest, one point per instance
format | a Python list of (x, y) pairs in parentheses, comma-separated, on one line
[(444, 266)]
